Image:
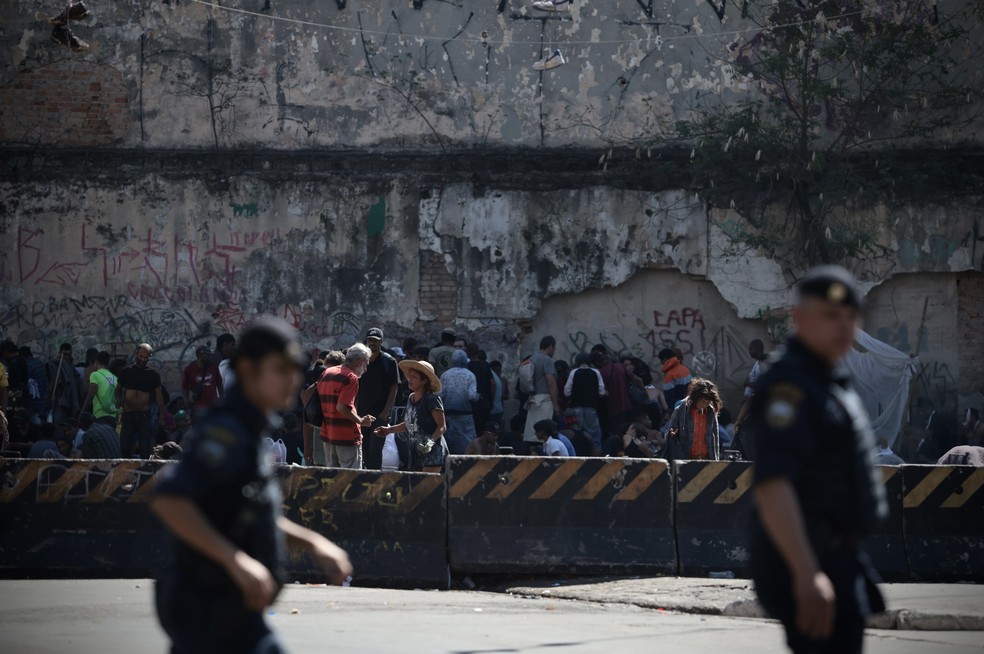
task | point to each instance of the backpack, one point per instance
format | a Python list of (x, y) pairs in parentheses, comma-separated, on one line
[(313, 412), (527, 383)]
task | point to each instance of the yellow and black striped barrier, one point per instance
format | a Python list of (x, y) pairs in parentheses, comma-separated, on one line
[(530, 515), (393, 524), (91, 517), (943, 521), (713, 513), (498, 515), (714, 509), (79, 516)]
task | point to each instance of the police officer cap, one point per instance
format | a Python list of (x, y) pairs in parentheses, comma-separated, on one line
[(269, 335), (833, 284)]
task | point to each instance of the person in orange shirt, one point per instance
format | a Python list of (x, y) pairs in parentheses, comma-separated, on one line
[(692, 432)]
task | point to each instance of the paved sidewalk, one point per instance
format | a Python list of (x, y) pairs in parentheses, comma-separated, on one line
[(918, 607)]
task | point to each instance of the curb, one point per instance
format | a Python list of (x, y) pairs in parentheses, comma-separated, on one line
[(892, 620)]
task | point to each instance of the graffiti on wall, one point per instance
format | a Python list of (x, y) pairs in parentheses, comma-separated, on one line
[(720, 353)]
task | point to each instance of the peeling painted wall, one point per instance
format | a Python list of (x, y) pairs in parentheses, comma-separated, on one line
[(177, 258), (427, 73)]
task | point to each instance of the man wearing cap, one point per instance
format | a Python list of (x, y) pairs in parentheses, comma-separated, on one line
[(201, 382), (222, 505), (815, 488), (440, 356), (487, 443), (377, 393)]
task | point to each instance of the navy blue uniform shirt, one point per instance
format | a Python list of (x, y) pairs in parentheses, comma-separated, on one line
[(226, 473)]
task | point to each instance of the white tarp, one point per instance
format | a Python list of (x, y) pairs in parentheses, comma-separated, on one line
[(881, 377)]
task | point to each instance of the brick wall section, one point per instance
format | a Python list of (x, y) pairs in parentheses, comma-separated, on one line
[(69, 102), (970, 332), (438, 291)]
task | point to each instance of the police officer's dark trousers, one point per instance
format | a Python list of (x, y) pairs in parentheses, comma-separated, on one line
[(210, 621)]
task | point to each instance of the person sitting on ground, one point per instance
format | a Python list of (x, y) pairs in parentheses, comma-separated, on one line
[(99, 440), (514, 437), (182, 425), (692, 432), (546, 433), (50, 445), (634, 443), (169, 451), (487, 443), (581, 440), (884, 456)]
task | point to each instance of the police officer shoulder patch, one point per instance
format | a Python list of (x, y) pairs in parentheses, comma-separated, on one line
[(215, 445), (782, 405)]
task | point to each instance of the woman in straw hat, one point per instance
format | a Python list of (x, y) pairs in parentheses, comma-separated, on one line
[(423, 446)]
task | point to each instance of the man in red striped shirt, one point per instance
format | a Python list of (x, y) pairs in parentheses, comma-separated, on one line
[(341, 432)]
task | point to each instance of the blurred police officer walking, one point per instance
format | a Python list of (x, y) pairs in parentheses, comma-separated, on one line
[(815, 489), (222, 506)]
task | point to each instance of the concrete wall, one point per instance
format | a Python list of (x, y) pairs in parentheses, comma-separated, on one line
[(176, 250), (427, 73), (653, 310), (374, 73)]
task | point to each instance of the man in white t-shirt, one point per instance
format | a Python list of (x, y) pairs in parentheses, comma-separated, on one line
[(546, 433), (756, 350)]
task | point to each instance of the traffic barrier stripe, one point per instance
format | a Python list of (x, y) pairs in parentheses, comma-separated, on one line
[(423, 489), (24, 478), (642, 482), (559, 477), (58, 489), (970, 486), (702, 480), (925, 488), (607, 475), (510, 481), (472, 477), (742, 484)]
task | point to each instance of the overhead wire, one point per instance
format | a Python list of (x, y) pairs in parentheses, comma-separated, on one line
[(485, 41)]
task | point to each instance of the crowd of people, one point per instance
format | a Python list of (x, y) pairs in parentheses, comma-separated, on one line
[(408, 407)]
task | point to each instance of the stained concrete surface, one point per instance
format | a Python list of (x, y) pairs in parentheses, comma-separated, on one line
[(928, 607), (116, 616)]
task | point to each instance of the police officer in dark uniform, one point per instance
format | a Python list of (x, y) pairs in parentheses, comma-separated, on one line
[(815, 489), (222, 506)]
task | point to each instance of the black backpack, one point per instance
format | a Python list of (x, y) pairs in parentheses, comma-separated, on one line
[(313, 413)]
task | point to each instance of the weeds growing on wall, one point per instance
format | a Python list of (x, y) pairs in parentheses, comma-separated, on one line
[(839, 91)]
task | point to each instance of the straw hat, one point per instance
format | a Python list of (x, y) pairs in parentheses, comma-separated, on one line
[(424, 368)]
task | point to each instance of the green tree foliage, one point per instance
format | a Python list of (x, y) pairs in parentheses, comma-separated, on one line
[(840, 94)]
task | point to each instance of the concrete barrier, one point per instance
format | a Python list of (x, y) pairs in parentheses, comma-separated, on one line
[(393, 524), (886, 545), (78, 517), (714, 509), (536, 515), (495, 515), (943, 522), (90, 518), (713, 515)]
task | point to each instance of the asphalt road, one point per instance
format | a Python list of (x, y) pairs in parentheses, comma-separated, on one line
[(116, 617)]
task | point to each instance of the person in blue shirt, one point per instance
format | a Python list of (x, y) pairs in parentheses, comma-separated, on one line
[(222, 506)]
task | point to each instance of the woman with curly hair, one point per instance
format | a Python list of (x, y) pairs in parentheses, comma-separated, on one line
[(692, 432)]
